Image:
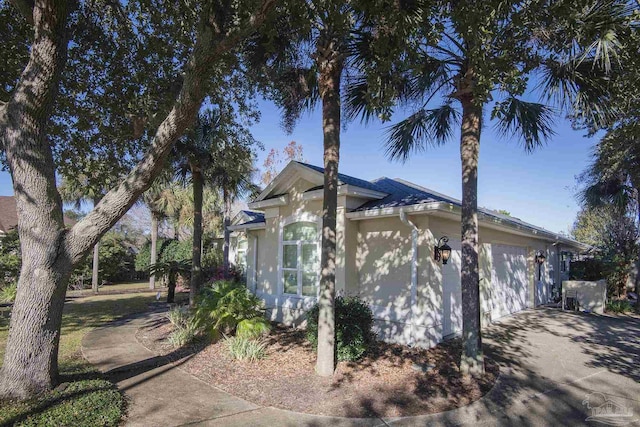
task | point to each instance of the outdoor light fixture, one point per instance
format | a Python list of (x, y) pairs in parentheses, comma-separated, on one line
[(442, 250)]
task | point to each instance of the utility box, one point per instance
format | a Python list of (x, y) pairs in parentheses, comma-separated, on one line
[(591, 296)]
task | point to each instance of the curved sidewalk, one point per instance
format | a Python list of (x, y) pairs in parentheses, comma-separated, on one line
[(551, 361)]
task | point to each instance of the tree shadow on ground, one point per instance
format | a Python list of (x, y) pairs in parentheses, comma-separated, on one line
[(527, 393)]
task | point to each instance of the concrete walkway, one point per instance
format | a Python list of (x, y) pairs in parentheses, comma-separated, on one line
[(557, 369)]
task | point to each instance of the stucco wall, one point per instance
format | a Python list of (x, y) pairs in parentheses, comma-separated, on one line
[(374, 261)]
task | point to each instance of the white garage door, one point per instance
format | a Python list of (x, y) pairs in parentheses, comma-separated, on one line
[(509, 290)]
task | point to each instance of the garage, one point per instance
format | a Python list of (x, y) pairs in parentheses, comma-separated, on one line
[(509, 284)]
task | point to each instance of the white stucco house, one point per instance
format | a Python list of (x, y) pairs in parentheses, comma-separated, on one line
[(387, 230)]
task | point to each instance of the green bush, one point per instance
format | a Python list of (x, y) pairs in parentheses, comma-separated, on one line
[(618, 306), (169, 250), (354, 323), (588, 269), (253, 328), (221, 306), (185, 329), (8, 293), (246, 349), (10, 260)]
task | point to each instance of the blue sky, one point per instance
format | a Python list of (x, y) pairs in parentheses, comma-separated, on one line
[(537, 188)]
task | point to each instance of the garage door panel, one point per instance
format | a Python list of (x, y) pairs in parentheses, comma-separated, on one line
[(509, 290)]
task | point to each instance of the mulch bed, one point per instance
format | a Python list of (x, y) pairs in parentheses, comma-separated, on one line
[(384, 384)]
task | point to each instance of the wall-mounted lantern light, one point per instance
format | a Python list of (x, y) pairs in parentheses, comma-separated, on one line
[(442, 250)]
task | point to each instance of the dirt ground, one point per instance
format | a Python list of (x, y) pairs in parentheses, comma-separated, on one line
[(389, 382)]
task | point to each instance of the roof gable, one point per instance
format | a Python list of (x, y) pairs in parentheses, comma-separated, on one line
[(294, 171)]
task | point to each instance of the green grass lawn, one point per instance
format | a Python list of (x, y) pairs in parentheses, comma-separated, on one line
[(140, 286), (88, 398)]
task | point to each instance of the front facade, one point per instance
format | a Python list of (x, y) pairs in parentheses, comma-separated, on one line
[(387, 230)]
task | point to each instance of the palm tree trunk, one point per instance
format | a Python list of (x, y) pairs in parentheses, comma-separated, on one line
[(472, 361), (95, 268), (329, 85), (196, 268), (154, 248), (227, 233)]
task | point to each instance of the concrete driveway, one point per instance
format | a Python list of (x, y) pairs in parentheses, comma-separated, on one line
[(558, 368)]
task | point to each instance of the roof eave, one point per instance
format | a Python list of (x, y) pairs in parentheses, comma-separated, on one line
[(452, 209)]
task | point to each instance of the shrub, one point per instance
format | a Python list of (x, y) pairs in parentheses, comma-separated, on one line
[(354, 321), (619, 306), (245, 348), (588, 269), (184, 326), (253, 328), (222, 305), (8, 293), (10, 261)]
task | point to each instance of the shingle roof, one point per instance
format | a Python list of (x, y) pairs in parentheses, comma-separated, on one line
[(401, 193), (9, 214), (254, 217), (346, 179)]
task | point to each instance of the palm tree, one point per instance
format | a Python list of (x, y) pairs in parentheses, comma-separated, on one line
[(155, 198), (468, 55), (232, 169), (89, 187), (308, 69), (194, 160)]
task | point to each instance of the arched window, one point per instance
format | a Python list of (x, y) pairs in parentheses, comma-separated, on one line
[(300, 259)]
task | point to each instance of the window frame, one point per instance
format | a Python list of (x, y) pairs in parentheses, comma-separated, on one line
[(302, 217)]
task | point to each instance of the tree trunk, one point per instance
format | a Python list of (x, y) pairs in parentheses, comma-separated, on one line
[(329, 85), (196, 268), (227, 233), (95, 268), (49, 251), (171, 292), (154, 248), (31, 356), (472, 361)]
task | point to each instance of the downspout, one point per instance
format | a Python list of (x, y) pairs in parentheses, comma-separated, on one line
[(255, 264), (414, 270)]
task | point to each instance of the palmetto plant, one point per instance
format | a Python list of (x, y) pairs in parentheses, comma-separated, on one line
[(480, 62), (226, 305), (171, 270)]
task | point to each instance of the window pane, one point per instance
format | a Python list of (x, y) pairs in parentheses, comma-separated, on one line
[(243, 244), (290, 256), (290, 282), (301, 231), (310, 257), (242, 258), (309, 284)]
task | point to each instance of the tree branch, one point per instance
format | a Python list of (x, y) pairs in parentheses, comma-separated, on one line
[(208, 48), (25, 7)]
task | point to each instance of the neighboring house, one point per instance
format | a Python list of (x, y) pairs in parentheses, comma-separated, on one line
[(9, 215), (387, 230)]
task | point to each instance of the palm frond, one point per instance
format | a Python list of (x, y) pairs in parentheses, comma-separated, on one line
[(579, 87), (531, 122), (422, 129)]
